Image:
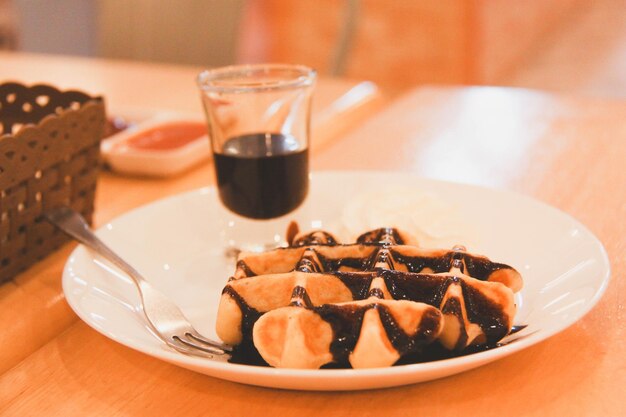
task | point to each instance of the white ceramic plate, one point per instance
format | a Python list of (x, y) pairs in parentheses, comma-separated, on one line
[(175, 243)]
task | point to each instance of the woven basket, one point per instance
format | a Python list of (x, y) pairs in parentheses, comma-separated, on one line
[(49, 156)]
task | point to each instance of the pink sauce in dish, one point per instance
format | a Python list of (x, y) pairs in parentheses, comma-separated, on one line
[(166, 137)]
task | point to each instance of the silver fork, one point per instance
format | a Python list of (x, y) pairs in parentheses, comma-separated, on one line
[(163, 316)]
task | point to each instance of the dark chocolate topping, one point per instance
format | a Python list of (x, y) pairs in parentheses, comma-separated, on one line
[(358, 282), (346, 323), (249, 314), (387, 260), (300, 297), (404, 343), (453, 307), (244, 266), (385, 236), (317, 237)]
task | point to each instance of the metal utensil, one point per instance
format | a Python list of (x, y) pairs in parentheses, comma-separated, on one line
[(163, 316)]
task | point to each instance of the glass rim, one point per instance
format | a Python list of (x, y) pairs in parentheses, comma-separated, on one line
[(211, 79)]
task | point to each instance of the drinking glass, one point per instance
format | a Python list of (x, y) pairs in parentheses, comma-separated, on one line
[(259, 121)]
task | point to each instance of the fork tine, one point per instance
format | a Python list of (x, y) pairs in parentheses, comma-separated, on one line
[(183, 348), (164, 318), (204, 348), (199, 338)]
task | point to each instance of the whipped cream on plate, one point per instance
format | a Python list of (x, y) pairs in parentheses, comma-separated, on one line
[(433, 222)]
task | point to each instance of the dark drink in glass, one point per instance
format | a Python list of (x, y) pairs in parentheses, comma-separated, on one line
[(258, 118), (262, 176)]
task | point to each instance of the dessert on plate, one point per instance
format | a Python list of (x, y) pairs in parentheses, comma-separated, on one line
[(319, 302)]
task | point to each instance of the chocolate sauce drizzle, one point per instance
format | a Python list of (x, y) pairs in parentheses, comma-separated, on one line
[(244, 267), (300, 298), (404, 343), (384, 235), (318, 237), (477, 267), (429, 288)]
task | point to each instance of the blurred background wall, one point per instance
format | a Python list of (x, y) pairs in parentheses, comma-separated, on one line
[(574, 46), (187, 32), (59, 26)]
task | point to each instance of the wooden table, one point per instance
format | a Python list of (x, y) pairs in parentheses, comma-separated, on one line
[(565, 151), (131, 87)]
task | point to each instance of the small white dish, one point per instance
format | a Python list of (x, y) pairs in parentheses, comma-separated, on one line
[(175, 244), (155, 163)]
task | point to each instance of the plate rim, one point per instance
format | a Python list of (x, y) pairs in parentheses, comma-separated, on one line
[(305, 379)]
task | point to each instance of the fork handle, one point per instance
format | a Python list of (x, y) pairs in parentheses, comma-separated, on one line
[(75, 225)]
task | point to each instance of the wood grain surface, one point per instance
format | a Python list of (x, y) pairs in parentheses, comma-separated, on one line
[(565, 151), (136, 88)]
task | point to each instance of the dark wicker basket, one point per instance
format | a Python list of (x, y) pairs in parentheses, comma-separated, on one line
[(49, 156)]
